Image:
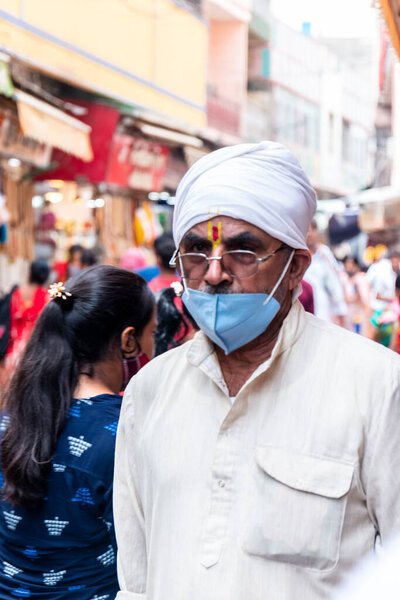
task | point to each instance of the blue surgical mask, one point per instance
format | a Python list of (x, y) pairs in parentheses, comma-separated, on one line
[(233, 320)]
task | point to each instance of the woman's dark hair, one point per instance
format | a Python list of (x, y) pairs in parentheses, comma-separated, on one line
[(170, 322), (39, 272), (69, 335)]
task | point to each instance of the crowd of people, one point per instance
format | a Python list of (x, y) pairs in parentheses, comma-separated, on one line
[(362, 298), (191, 415)]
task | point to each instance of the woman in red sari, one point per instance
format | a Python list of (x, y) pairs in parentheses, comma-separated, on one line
[(27, 302)]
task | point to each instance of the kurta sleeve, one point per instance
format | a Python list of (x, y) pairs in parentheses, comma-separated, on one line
[(381, 464), (128, 513)]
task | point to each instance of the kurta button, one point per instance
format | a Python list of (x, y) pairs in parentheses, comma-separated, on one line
[(221, 483)]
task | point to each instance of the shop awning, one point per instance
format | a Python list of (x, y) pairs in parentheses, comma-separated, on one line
[(391, 13), (379, 208), (45, 123)]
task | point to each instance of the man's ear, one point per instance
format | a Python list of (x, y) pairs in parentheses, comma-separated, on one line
[(300, 262), (128, 340)]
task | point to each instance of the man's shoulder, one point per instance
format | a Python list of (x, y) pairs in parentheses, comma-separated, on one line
[(344, 346)]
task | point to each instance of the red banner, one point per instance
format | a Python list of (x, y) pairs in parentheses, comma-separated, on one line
[(137, 163)]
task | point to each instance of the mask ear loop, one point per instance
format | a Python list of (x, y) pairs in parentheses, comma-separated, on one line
[(185, 287), (137, 351), (278, 283)]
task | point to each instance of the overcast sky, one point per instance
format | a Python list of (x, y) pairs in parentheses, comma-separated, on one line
[(332, 18)]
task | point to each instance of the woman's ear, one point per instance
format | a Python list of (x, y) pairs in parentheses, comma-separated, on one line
[(300, 263), (129, 343)]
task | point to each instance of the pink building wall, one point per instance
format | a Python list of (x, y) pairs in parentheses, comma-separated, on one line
[(227, 75), (227, 68)]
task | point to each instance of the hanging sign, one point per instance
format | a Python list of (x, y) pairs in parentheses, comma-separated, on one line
[(137, 163)]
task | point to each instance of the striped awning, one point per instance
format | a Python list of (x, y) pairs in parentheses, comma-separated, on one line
[(45, 123)]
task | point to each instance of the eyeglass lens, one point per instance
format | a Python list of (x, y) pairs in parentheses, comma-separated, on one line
[(235, 263)]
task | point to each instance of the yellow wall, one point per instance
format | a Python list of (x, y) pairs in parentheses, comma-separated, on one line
[(106, 45)]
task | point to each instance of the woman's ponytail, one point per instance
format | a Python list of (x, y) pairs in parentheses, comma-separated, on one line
[(37, 402)]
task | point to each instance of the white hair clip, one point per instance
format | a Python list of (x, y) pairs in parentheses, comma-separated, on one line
[(57, 290), (178, 288)]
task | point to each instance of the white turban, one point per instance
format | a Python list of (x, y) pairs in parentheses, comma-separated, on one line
[(262, 184)]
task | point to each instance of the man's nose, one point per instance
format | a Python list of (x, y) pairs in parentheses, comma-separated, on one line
[(215, 273)]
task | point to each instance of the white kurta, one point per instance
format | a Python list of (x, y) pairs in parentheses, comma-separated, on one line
[(274, 497)]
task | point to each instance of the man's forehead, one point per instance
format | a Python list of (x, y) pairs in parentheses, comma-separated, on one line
[(230, 227)]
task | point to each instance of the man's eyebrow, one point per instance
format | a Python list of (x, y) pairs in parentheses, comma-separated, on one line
[(193, 238), (244, 238), (241, 238)]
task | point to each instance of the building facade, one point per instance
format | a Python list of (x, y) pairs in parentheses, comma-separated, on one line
[(131, 51), (307, 94)]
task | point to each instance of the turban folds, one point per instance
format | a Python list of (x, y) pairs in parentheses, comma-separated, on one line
[(262, 184)]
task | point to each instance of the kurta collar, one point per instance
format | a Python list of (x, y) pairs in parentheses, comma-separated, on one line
[(202, 348)]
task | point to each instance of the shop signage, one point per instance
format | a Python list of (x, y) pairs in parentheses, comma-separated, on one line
[(14, 144), (137, 163)]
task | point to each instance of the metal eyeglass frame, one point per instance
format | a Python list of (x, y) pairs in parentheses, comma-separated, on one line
[(176, 255)]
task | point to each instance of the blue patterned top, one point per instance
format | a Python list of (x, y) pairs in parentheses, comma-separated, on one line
[(66, 550)]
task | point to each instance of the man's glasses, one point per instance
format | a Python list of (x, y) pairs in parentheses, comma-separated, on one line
[(236, 263)]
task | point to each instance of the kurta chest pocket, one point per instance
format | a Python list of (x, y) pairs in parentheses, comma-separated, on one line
[(296, 509)]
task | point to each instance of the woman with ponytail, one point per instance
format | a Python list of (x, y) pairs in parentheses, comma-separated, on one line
[(58, 435)]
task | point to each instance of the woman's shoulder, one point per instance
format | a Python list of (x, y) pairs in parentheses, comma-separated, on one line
[(93, 413), (88, 439)]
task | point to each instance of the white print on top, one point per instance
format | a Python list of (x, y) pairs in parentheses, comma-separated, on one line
[(11, 519), (108, 558), (53, 578), (4, 423), (9, 570), (58, 468), (55, 526), (77, 446)]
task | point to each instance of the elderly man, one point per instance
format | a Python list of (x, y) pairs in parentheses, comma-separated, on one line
[(260, 459)]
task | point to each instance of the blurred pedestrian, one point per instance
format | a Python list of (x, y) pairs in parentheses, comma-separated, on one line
[(58, 436), (78, 258), (26, 304), (88, 258), (382, 278), (394, 308), (164, 248), (323, 276), (74, 263), (357, 294), (135, 259), (307, 296)]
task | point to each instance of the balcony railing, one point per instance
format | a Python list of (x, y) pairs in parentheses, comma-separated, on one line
[(223, 114)]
